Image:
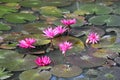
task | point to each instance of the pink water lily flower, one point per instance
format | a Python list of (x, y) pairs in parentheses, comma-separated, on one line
[(42, 61), (68, 22), (93, 38), (60, 29), (50, 32), (27, 43), (64, 46)]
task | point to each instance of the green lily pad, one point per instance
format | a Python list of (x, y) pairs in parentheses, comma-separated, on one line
[(19, 17), (35, 27), (111, 73), (4, 27), (95, 8), (67, 71), (31, 3), (117, 11), (5, 10), (109, 20), (57, 57), (4, 74), (78, 45), (85, 61), (35, 74), (10, 1), (53, 11), (117, 31), (40, 3), (102, 53), (8, 46), (16, 62)]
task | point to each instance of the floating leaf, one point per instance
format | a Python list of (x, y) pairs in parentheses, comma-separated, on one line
[(64, 70), (5, 10), (35, 27), (4, 74), (111, 73), (4, 27), (95, 8), (78, 45), (102, 53), (15, 61), (19, 17), (10, 1), (53, 11), (117, 31), (35, 74), (85, 61), (31, 3), (8, 46), (109, 20), (117, 10)]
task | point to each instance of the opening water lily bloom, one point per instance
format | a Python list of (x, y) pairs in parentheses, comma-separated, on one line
[(68, 22), (27, 43), (42, 61), (60, 29), (50, 32), (65, 46), (93, 38)]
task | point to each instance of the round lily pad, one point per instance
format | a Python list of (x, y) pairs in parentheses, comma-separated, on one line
[(109, 20), (4, 74), (102, 53), (5, 10), (117, 11), (111, 73), (35, 27), (95, 8), (77, 46), (53, 11), (8, 46), (85, 61), (4, 27), (35, 74), (31, 3), (10, 1), (17, 62), (19, 17), (67, 71)]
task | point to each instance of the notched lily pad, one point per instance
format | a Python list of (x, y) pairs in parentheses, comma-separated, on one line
[(5, 10), (17, 62), (8, 46), (53, 11), (78, 45), (4, 74), (95, 8), (109, 73), (64, 70), (10, 1), (85, 61), (109, 20), (117, 31), (35, 27), (19, 17), (35, 74), (102, 53), (4, 27)]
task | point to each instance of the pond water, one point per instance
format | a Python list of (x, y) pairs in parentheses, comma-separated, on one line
[(90, 27)]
